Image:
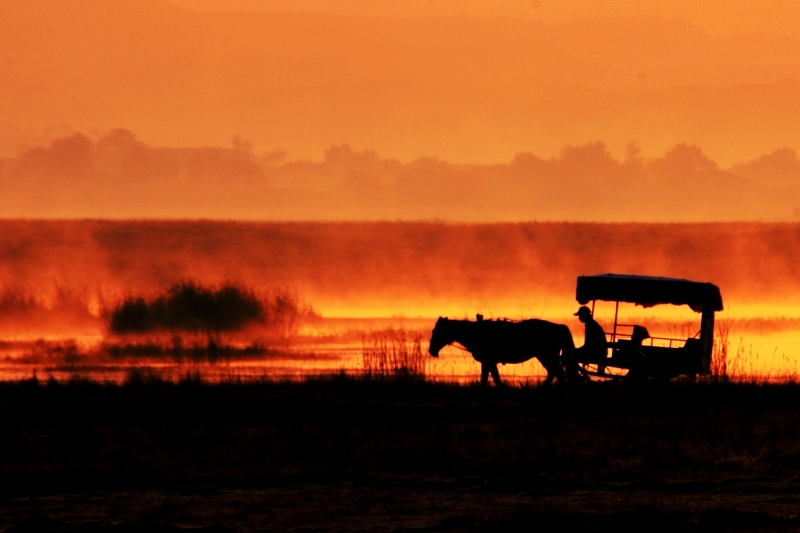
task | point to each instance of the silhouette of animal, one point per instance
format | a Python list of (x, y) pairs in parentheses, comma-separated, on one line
[(502, 341)]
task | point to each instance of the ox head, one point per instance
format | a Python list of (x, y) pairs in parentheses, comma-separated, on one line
[(440, 337)]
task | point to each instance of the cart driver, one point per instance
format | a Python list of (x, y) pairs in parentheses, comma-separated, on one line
[(595, 346)]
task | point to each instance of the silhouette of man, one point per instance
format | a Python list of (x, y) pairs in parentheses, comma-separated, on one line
[(595, 346)]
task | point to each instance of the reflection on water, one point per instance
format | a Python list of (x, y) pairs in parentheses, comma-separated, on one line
[(762, 349)]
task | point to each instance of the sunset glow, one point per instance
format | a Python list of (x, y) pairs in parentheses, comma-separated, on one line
[(399, 265), (380, 164)]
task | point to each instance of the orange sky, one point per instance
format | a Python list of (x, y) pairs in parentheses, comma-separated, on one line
[(744, 16), (405, 78)]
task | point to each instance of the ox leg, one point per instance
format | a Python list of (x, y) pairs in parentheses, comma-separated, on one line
[(558, 373), (484, 374), (554, 370), (570, 358), (495, 375)]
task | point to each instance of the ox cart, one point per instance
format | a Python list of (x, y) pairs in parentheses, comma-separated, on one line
[(632, 353)]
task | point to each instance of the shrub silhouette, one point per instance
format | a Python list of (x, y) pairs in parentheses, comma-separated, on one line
[(188, 306), (132, 316)]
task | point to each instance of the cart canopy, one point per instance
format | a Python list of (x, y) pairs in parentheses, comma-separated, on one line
[(648, 291)]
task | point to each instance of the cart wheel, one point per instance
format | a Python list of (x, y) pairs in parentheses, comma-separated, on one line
[(583, 372), (661, 378)]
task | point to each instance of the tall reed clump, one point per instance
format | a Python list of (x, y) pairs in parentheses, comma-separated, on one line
[(58, 305), (188, 306), (196, 317), (283, 312), (740, 364), (393, 352), (720, 355)]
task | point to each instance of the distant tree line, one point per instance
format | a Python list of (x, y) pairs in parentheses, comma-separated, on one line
[(79, 177)]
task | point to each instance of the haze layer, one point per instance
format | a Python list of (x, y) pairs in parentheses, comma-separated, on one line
[(399, 268)]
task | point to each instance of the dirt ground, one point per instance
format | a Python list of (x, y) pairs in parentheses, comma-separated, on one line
[(398, 455)]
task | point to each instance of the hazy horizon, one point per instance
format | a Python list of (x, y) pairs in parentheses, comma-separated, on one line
[(118, 176), (468, 87)]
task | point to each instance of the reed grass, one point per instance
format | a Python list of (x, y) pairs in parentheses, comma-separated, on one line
[(394, 352), (743, 364), (719, 356)]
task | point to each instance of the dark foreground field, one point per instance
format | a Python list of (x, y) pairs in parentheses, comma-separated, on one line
[(342, 454)]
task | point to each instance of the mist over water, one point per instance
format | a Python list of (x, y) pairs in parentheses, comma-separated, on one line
[(392, 265), (58, 279)]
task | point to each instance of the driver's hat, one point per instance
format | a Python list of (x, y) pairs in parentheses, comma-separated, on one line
[(584, 311)]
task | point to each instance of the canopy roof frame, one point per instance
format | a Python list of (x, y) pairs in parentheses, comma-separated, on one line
[(648, 291)]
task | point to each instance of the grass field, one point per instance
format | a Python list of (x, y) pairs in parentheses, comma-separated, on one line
[(347, 454)]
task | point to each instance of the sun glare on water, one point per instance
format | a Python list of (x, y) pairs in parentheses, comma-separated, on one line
[(757, 341)]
